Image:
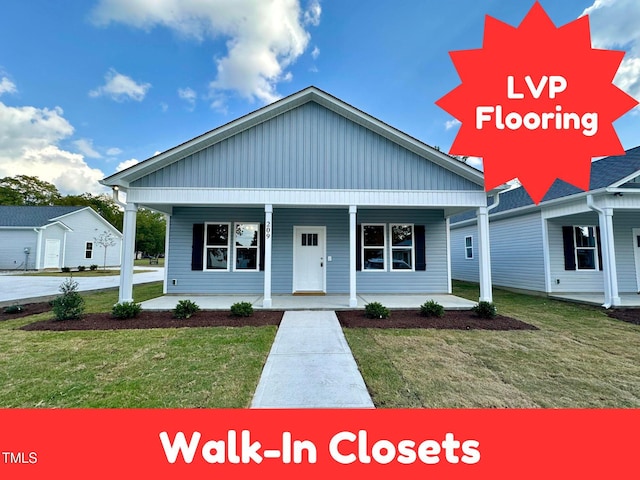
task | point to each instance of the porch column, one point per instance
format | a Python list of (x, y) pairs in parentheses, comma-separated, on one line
[(268, 228), (484, 255), (353, 299), (167, 219), (609, 269), (128, 252)]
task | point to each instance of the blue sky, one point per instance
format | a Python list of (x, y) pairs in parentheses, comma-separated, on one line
[(88, 87)]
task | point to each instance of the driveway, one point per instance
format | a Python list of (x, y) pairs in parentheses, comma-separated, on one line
[(16, 287)]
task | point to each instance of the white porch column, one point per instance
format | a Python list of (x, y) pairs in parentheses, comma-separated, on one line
[(268, 229), (484, 255), (609, 269), (353, 299), (128, 253), (167, 219)]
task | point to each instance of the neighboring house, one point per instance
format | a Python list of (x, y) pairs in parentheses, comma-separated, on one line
[(308, 195), (36, 238), (572, 242)]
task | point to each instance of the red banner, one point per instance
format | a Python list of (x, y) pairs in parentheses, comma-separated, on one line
[(209, 444)]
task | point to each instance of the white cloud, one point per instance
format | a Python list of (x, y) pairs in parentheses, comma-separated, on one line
[(114, 151), (29, 145), (449, 124), (164, 107), (614, 25), (119, 87), (85, 146), (263, 38), (189, 95), (315, 52), (126, 164), (475, 162), (7, 86)]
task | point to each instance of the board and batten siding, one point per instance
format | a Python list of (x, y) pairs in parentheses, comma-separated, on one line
[(12, 245), (623, 224), (308, 147)]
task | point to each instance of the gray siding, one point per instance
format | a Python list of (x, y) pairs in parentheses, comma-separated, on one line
[(463, 268), (623, 225), (86, 227), (12, 245), (308, 147)]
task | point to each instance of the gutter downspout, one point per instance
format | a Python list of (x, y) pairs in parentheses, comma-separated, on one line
[(609, 270)]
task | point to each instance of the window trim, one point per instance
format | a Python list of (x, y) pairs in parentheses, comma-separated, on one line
[(596, 260), (89, 250), (468, 248), (372, 247), (235, 248), (412, 248), (206, 245)]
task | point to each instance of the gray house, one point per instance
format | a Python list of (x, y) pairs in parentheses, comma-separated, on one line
[(36, 238), (574, 244), (308, 195)]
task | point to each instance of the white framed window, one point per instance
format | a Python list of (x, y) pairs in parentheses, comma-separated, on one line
[(88, 250), (586, 247), (246, 247), (402, 247), (374, 247), (468, 247), (216, 246)]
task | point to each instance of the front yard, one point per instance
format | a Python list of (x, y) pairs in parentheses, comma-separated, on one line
[(579, 358)]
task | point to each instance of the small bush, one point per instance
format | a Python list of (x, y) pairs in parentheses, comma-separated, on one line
[(93, 267), (125, 310), (13, 309), (485, 310), (185, 309), (242, 309), (431, 308), (69, 306), (66, 269), (81, 268), (376, 310)]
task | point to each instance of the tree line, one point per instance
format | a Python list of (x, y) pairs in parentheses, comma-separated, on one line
[(31, 191)]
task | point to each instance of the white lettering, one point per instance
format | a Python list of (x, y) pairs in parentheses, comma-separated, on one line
[(179, 445), (335, 443)]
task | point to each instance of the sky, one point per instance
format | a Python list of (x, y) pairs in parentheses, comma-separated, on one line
[(89, 87)]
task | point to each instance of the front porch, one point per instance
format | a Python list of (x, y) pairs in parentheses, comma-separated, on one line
[(627, 300), (311, 302)]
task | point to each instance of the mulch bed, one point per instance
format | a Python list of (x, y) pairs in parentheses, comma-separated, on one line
[(28, 309), (453, 319), (630, 315)]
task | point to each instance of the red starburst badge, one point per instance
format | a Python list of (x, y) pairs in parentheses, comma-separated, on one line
[(537, 103)]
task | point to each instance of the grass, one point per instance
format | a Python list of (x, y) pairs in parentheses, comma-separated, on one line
[(144, 262), (156, 368), (580, 358)]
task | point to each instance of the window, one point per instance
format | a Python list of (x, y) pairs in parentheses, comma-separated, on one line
[(401, 247), (309, 240), (585, 248), (246, 246), (216, 246), (373, 247), (88, 250), (468, 247)]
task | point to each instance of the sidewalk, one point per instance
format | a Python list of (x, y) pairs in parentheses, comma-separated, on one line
[(310, 365)]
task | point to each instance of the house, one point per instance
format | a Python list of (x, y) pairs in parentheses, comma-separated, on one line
[(574, 244), (308, 195), (36, 238)]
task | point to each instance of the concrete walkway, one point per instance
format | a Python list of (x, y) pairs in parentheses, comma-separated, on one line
[(310, 365)]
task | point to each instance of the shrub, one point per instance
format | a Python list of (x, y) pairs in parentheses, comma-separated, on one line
[(66, 269), (125, 310), (11, 309), (242, 309), (70, 305), (485, 310), (185, 309), (81, 268), (376, 310), (93, 267), (431, 308)]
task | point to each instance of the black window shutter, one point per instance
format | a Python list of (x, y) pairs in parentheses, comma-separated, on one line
[(599, 247), (358, 247), (262, 246), (569, 255), (421, 254), (197, 246)]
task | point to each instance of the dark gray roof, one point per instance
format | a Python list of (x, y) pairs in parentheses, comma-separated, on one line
[(604, 172), (11, 216)]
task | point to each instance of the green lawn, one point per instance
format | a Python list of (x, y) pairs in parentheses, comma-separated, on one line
[(156, 368), (87, 273), (144, 262), (578, 358)]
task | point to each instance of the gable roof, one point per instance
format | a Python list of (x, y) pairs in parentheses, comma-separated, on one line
[(32, 216), (310, 94)]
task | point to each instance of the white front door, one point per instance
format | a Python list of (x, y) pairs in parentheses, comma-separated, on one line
[(309, 259), (52, 253), (636, 254)]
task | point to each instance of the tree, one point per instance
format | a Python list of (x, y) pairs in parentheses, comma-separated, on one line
[(27, 190), (150, 232), (105, 239)]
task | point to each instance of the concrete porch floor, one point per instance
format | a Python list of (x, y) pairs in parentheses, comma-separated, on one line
[(311, 302), (627, 300)]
